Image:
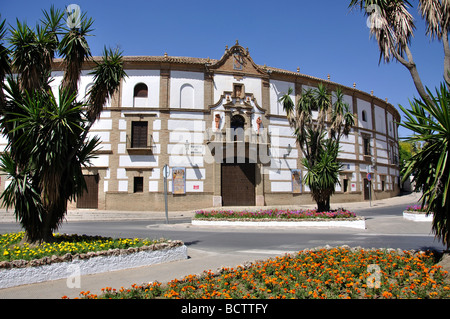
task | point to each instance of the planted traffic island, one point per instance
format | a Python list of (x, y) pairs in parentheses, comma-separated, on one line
[(74, 255), (417, 213), (279, 218)]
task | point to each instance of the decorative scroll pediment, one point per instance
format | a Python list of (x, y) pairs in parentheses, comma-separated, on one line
[(237, 60)]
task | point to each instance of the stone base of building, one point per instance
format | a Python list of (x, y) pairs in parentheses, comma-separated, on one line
[(191, 201)]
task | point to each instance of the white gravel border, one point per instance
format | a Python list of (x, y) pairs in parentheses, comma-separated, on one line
[(354, 223), (78, 267)]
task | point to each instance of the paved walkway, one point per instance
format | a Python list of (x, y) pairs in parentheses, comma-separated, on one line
[(198, 260)]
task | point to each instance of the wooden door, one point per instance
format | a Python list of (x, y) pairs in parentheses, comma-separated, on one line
[(89, 198), (238, 184)]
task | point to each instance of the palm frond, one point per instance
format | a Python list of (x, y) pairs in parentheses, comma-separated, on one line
[(430, 166), (108, 75)]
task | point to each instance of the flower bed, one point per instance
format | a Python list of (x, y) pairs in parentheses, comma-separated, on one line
[(322, 273), (417, 213), (274, 214), (11, 248), (280, 218), (23, 264), (416, 209)]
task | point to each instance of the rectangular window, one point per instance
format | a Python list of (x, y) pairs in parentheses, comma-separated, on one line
[(138, 184), (366, 145), (139, 134)]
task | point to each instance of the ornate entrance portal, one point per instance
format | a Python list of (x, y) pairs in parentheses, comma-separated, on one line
[(238, 184)]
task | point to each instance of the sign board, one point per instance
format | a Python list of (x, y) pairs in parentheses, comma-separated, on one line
[(178, 180), (296, 181)]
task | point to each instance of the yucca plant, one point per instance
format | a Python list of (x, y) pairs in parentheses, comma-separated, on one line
[(45, 176), (318, 138), (323, 175), (47, 145), (429, 120)]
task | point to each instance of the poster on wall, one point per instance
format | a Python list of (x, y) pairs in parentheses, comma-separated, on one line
[(296, 181), (178, 180)]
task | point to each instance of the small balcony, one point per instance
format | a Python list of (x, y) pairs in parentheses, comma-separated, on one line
[(140, 146), (237, 136)]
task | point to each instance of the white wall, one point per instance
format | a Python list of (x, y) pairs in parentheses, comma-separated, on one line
[(192, 86), (225, 83), (364, 106), (380, 120), (149, 77), (277, 90)]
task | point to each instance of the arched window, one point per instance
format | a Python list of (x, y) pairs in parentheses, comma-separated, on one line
[(237, 124), (237, 121), (140, 90), (187, 96), (140, 95)]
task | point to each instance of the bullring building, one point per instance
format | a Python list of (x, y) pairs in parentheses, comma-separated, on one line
[(219, 127)]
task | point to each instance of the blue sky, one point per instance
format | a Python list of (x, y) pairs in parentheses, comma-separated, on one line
[(320, 37)]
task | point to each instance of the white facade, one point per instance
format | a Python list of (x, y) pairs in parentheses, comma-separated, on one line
[(188, 106)]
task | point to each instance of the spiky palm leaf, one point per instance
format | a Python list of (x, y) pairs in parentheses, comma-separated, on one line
[(46, 132), (323, 175), (430, 166), (107, 77), (47, 147), (319, 153), (75, 50), (394, 29), (342, 120), (5, 68)]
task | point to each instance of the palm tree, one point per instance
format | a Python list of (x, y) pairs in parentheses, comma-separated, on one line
[(430, 165), (393, 28), (47, 146), (75, 49), (318, 139), (45, 177), (323, 174), (5, 63), (107, 76)]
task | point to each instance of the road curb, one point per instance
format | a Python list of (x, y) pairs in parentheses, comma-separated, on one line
[(78, 267), (354, 223)]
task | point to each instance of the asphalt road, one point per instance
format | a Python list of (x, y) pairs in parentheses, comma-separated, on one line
[(385, 228), (218, 246)]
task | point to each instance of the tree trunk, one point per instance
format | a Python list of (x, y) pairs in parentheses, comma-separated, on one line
[(412, 68), (446, 57), (45, 233), (323, 205)]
